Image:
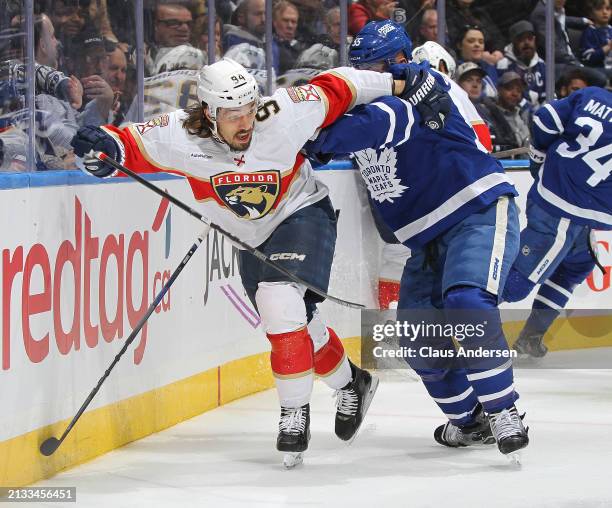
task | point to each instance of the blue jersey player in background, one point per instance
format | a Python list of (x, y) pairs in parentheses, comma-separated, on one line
[(450, 202), (571, 195)]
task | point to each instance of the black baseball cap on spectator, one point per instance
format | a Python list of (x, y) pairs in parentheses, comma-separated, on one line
[(519, 28), (468, 67), (509, 77)]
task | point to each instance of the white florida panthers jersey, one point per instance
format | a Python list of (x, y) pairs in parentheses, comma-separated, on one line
[(250, 193)]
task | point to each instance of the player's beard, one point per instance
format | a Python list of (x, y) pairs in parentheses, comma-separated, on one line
[(238, 146)]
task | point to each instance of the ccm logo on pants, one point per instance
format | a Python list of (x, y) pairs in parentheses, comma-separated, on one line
[(287, 256)]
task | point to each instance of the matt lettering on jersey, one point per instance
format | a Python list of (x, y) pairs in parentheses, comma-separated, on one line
[(60, 281), (249, 195)]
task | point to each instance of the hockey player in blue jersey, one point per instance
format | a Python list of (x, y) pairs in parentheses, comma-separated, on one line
[(571, 195), (451, 203)]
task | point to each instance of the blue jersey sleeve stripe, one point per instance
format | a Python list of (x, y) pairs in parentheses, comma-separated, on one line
[(391, 114)]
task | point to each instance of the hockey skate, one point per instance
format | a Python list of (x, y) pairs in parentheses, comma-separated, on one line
[(293, 434), (509, 431), (530, 345), (352, 403), (477, 434)]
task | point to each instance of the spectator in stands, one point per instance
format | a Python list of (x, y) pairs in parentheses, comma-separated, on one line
[(596, 41), (201, 36), (570, 82), (285, 18), (173, 25), (92, 66), (115, 74), (331, 37), (471, 48), (428, 27), (249, 27), (470, 77), (510, 123), (69, 18), (565, 60), (522, 57), (363, 11), (46, 53), (461, 13)]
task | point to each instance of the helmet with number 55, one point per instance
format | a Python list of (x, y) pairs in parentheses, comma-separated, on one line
[(378, 45)]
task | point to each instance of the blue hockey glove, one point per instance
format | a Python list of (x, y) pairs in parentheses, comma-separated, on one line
[(424, 93), (536, 159), (93, 138)]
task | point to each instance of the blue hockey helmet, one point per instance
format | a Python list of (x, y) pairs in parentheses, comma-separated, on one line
[(379, 41)]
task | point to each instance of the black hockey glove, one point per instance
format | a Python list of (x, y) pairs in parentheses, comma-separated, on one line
[(424, 93), (93, 138)]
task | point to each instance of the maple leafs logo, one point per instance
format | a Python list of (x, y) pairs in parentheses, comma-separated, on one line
[(379, 172)]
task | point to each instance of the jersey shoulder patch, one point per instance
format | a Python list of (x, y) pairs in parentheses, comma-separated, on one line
[(303, 93)]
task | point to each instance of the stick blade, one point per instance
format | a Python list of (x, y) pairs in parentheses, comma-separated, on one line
[(49, 446)]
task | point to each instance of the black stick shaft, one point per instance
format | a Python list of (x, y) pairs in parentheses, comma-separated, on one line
[(136, 330), (255, 252)]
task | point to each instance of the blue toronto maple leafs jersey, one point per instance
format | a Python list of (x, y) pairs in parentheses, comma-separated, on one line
[(575, 135), (422, 181)]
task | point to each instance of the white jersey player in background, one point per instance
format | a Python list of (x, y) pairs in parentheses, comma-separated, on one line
[(240, 155)]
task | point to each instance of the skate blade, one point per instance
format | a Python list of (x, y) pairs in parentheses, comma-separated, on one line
[(293, 459), (515, 458), (366, 405)]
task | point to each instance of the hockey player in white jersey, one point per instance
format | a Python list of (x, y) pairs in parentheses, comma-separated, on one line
[(240, 154)]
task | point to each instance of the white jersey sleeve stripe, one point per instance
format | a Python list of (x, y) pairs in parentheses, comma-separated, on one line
[(409, 123), (542, 127), (451, 205), (553, 252), (391, 114), (555, 117)]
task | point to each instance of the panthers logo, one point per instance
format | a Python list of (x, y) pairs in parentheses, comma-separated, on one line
[(249, 195)]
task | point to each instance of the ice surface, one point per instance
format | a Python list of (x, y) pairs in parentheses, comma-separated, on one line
[(226, 457)]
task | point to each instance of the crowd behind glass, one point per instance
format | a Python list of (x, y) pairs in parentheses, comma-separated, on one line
[(85, 58)]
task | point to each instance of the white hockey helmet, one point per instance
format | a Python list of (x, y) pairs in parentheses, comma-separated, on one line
[(226, 84), (435, 54), (178, 58)]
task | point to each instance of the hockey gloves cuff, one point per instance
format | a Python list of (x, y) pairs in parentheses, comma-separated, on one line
[(424, 93), (93, 138), (536, 159)]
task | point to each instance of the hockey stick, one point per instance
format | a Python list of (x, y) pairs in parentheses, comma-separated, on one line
[(511, 153), (252, 250), (51, 444)]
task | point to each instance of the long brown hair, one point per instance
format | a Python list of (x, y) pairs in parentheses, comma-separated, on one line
[(196, 122)]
